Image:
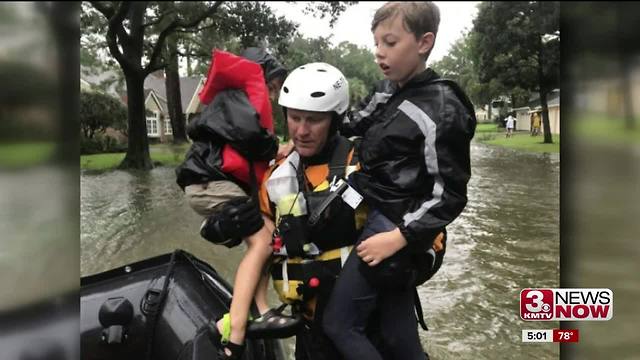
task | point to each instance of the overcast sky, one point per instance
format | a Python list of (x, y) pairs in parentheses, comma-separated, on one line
[(354, 24)]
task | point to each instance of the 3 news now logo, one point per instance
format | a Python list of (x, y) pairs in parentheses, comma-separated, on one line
[(566, 304)]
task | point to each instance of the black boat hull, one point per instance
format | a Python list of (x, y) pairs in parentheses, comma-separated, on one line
[(141, 327)]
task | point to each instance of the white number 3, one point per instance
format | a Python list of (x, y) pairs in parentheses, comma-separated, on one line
[(537, 301)]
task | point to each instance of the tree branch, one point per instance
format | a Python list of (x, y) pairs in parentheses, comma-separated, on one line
[(107, 11), (204, 15), (116, 30), (198, 43), (137, 18), (192, 54), (193, 31), (159, 20), (154, 58), (113, 16)]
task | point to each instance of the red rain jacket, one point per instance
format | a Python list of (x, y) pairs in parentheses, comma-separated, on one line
[(228, 71)]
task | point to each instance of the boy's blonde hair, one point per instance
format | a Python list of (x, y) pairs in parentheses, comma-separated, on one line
[(418, 17)]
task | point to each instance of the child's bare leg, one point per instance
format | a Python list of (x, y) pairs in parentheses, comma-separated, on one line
[(261, 293), (263, 285), (248, 276)]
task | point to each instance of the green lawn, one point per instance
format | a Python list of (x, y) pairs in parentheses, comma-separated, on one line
[(486, 128), (25, 154), (604, 129), (492, 135), (524, 141), (161, 155)]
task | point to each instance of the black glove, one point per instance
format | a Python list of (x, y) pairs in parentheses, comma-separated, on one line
[(238, 219), (262, 148)]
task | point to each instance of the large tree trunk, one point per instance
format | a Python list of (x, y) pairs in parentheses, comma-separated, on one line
[(127, 45), (137, 156), (174, 102), (548, 139), (188, 57)]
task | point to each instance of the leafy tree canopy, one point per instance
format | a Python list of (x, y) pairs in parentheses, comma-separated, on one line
[(99, 111)]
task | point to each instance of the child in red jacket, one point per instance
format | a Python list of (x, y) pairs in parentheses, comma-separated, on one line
[(233, 143)]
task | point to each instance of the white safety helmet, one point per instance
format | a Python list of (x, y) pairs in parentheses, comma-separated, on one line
[(315, 87)]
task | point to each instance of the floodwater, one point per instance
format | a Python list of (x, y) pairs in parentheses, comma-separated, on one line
[(507, 239)]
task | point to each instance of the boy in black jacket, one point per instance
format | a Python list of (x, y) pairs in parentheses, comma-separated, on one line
[(414, 159)]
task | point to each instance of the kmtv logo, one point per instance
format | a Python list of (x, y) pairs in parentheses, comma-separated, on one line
[(566, 304)]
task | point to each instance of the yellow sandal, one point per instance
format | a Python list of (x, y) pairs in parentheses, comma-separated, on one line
[(222, 340)]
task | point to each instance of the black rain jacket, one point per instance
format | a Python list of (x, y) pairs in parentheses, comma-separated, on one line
[(228, 119), (414, 155)]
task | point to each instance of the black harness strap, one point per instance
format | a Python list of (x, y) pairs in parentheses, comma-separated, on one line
[(338, 160), (304, 271), (153, 316), (253, 183), (419, 313)]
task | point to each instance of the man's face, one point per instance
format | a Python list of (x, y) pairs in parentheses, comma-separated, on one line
[(398, 53), (308, 130)]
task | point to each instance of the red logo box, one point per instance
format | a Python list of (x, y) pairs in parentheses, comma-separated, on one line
[(536, 304)]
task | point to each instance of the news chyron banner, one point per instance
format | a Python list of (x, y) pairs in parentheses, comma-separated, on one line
[(566, 304)]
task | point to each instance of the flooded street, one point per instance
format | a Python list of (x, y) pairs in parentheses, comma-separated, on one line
[(507, 239)]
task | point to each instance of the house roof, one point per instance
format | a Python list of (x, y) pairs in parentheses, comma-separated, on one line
[(162, 102), (188, 87)]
